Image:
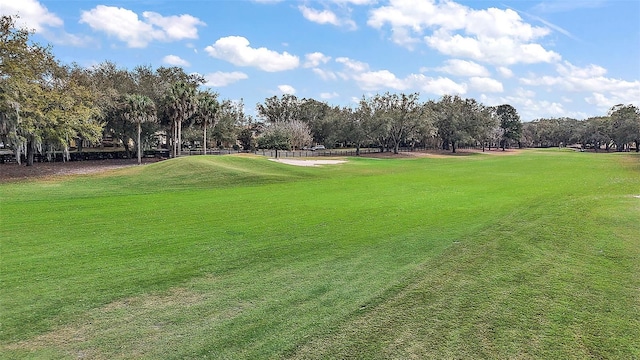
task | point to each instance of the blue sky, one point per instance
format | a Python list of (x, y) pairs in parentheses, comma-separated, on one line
[(559, 58)]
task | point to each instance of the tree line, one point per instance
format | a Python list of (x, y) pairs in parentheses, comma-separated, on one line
[(388, 121), (46, 106), (619, 129)]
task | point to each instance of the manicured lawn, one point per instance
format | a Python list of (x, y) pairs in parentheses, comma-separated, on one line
[(535, 255)]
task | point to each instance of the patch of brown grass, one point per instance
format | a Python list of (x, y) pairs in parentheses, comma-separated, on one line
[(124, 328), (56, 171)]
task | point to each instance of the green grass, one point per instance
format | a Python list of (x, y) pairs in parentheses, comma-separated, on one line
[(535, 255)]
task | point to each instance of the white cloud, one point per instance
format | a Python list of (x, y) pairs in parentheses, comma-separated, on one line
[(325, 74), (527, 106), (463, 68), (125, 25), (33, 15), (500, 51), (122, 23), (379, 80), (530, 108), (604, 91), (220, 79), (505, 71), (568, 69), (175, 27), (605, 101), (353, 65), (325, 17), (236, 50), (491, 35), (496, 23), (418, 15), (315, 59), (442, 86), (327, 95), (318, 16), (64, 38), (287, 89), (175, 60), (485, 84)]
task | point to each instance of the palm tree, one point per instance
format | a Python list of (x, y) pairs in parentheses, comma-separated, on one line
[(138, 109), (206, 114), (180, 103)]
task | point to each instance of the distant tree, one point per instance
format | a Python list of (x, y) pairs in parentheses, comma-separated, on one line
[(283, 109), (299, 134), (208, 107), (625, 126), (452, 121), (426, 132), (480, 120), (246, 138), (25, 68), (231, 119), (110, 84), (70, 109), (320, 119), (510, 124), (180, 103), (373, 128), (43, 105), (289, 135), (403, 112), (594, 131), (276, 137), (139, 109), (352, 130), (333, 127), (495, 136)]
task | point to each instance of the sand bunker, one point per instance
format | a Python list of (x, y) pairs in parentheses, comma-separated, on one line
[(308, 162)]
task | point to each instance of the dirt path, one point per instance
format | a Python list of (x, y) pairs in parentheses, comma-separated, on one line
[(14, 172)]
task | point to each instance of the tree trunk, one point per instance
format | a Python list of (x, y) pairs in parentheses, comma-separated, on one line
[(174, 139), (358, 149), (453, 146), (139, 145), (204, 141), (126, 149), (170, 141), (637, 145), (396, 147), (31, 150), (179, 138), (19, 155)]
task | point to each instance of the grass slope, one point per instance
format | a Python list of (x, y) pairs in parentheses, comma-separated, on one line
[(535, 255)]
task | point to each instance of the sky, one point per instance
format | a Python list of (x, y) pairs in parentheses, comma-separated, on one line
[(562, 58)]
